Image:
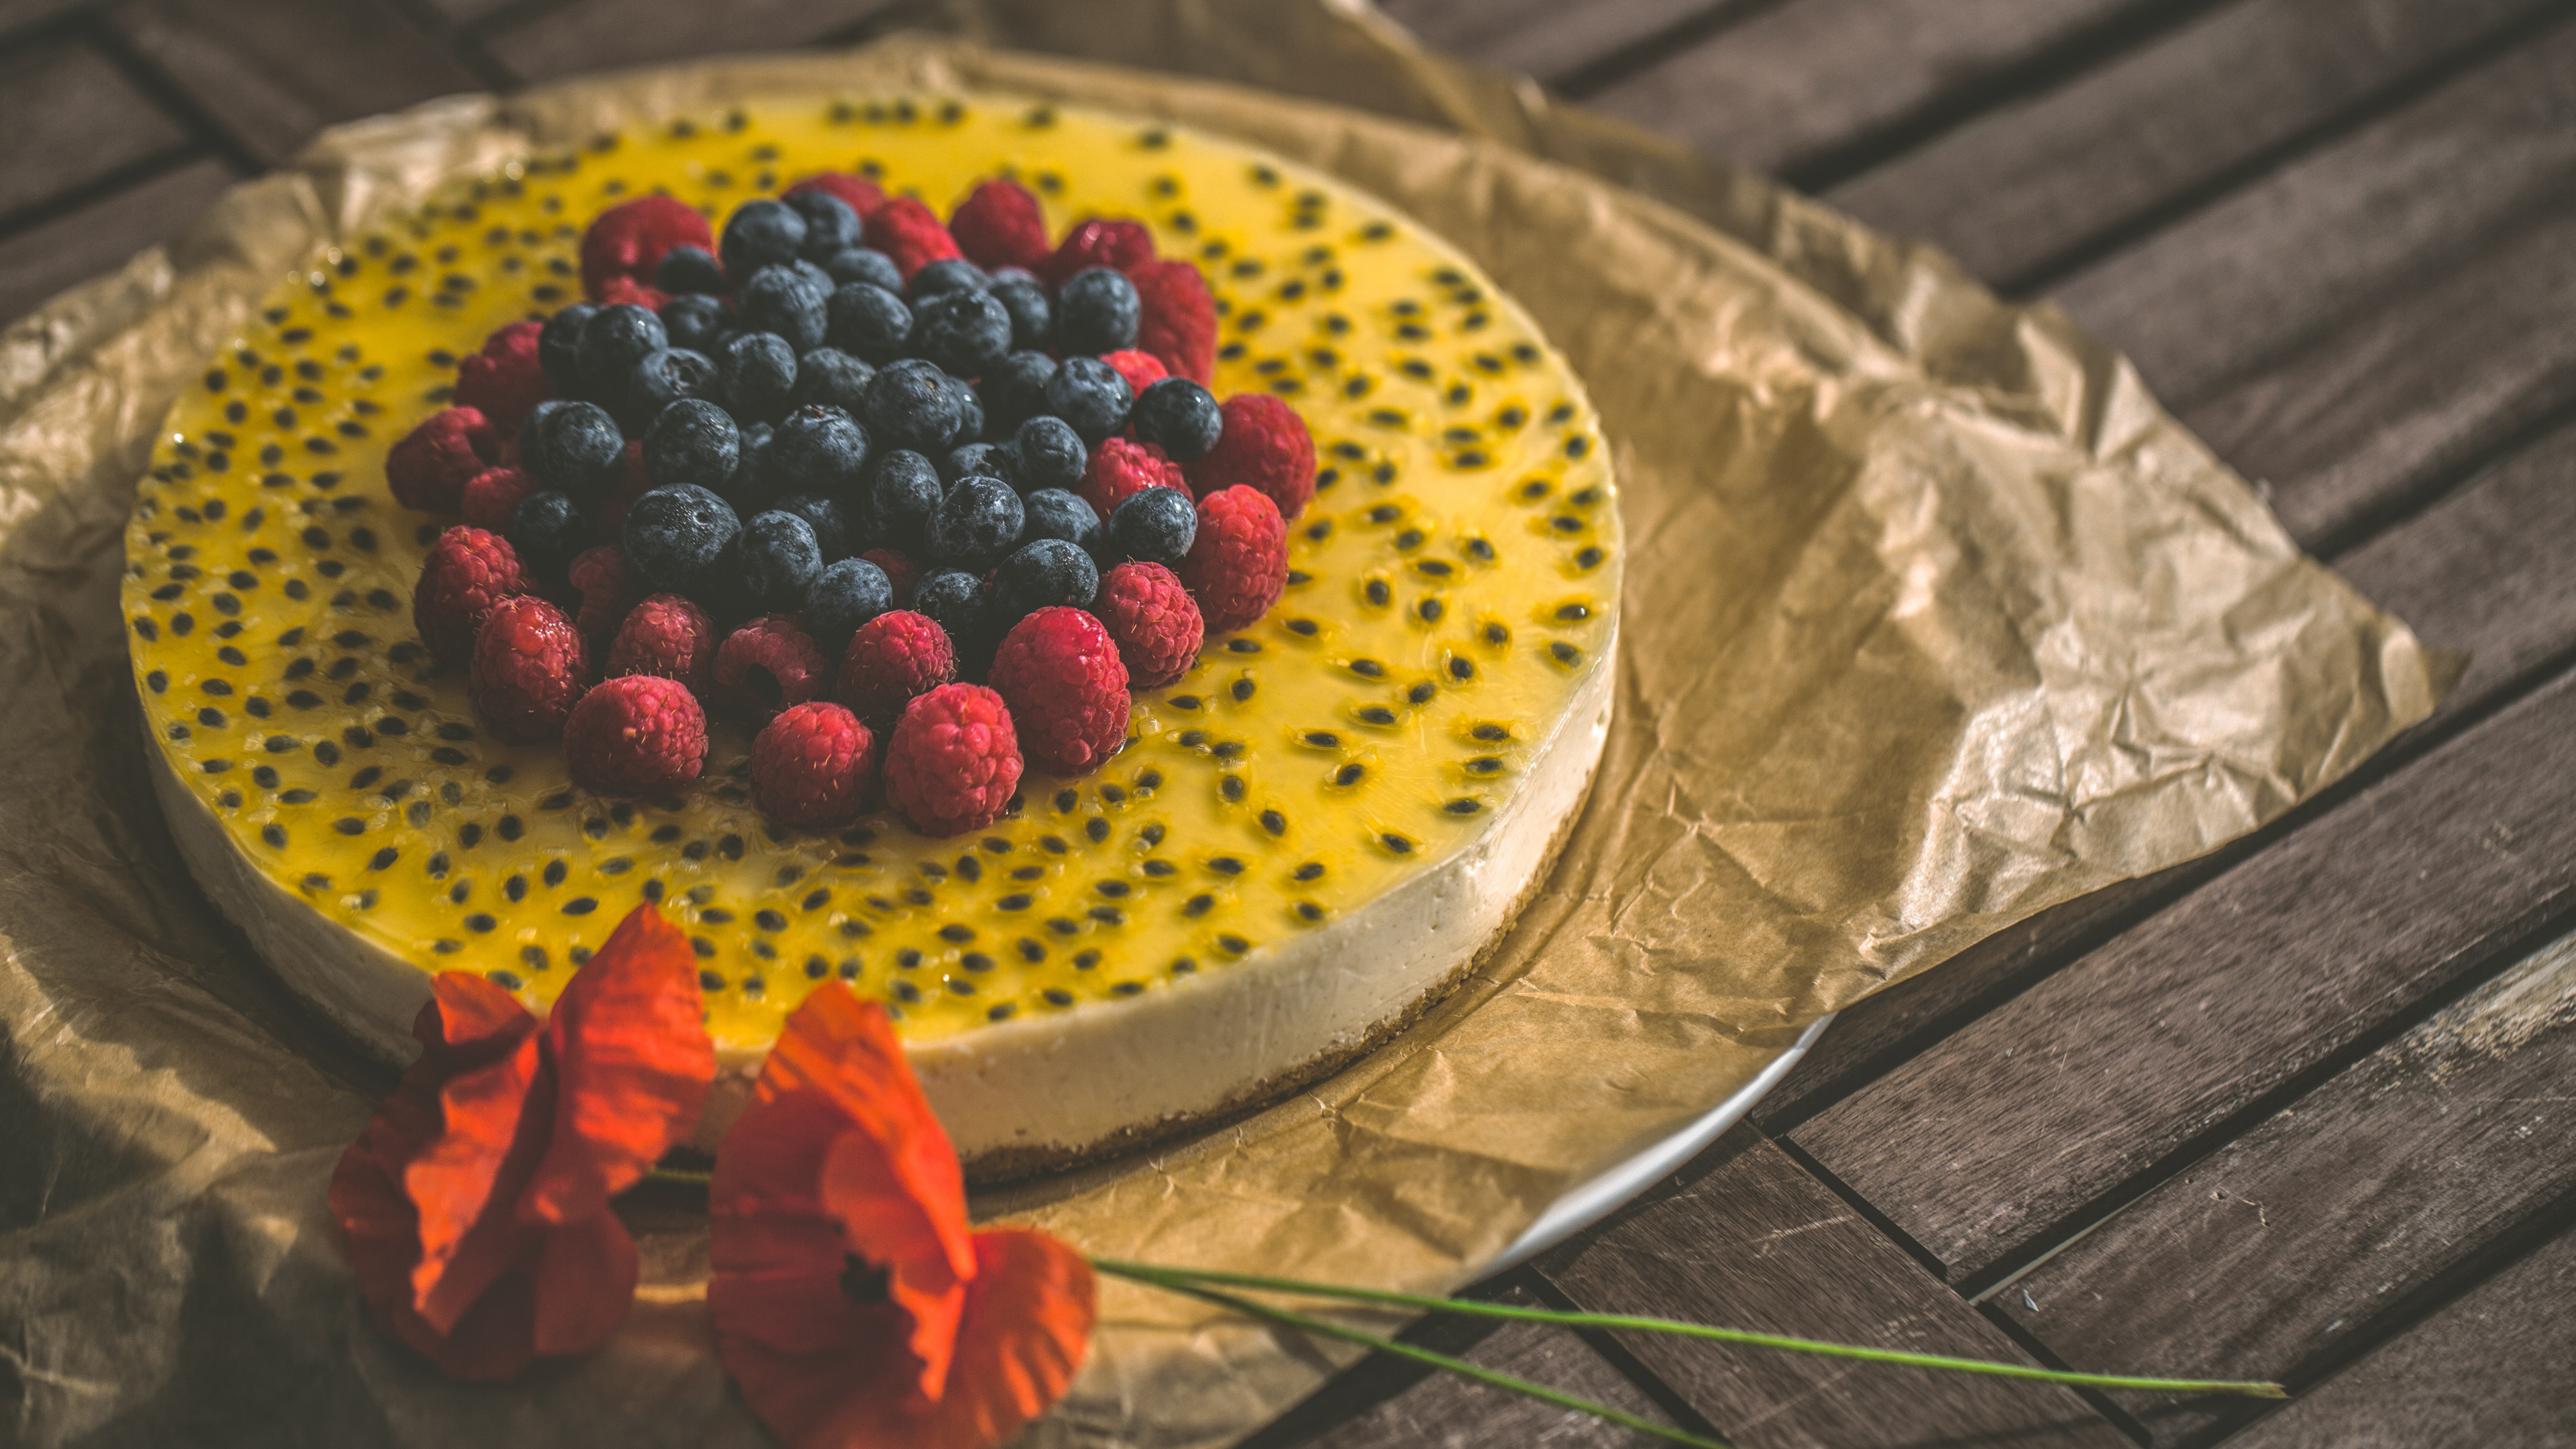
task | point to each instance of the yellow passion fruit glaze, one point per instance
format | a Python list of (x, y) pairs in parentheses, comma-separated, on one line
[(1451, 584)]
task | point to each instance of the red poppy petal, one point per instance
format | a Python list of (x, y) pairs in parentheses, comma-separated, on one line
[(493, 1340), (1029, 1314), (836, 1044), (634, 1061), (880, 1202), (801, 1396), (584, 1282), (491, 1123)]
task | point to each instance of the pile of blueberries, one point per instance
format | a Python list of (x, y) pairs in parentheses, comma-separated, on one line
[(800, 404)]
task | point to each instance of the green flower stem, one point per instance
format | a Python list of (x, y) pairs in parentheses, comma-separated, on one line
[(1459, 1366), (1186, 1279), (684, 1176)]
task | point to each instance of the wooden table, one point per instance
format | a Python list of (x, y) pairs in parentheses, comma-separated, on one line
[(2302, 1109)]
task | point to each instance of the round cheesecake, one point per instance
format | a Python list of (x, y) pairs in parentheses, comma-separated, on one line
[(1303, 843)]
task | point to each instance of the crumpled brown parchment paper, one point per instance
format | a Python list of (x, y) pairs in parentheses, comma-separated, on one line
[(1933, 619)]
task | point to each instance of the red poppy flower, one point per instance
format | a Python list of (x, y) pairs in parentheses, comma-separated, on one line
[(851, 1301), (476, 1202)]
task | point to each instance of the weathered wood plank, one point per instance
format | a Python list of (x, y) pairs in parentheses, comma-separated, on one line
[(2262, 1260), (2489, 1368), (2486, 570), (1549, 39), (273, 74), (44, 259), (2254, 276), (2019, 187), (71, 118), (1786, 86), (2356, 425), (1747, 1238), (2027, 1118), (1424, 1407), (602, 34)]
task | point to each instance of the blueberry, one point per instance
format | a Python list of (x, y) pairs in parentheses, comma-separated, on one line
[(1049, 454), (910, 406), (578, 449), (865, 264), (546, 532), (843, 597), (559, 346), (689, 270), (817, 449), (1095, 312), (1054, 513), (761, 234), (976, 523), (964, 331), (970, 412), (1039, 575), (785, 301), (692, 441), (758, 373), (902, 492), (830, 224), (532, 435), (674, 534), (1089, 394), (612, 342), (954, 600), (749, 487), (865, 320), (978, 460), (829, 375), (697, 322), (780, 558), (1154, 525), (1032, 310), (661, 378), (830, 520), (948, 274), (1179, 416), (1014, 389)]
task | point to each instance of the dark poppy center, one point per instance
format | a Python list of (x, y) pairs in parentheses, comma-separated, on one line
[(863, 1282)]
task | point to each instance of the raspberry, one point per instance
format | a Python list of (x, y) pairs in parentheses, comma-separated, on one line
[(628, 292), (1178, 318), (505, 379), (1265, 445), (1122, 466), (1153, 620), (430, 467), (891, 658), (1060, 673), (900, 571), (768, 665), (862, 194), (812, 766), (629, 483), (608, 589), (1239, 561), (492, 497), (636, 736), (467, 571), (528, 668), (667, 636), (999, 225), (909, 232), (1095, 242), (1141, 369), (953, 760), (629, 239)]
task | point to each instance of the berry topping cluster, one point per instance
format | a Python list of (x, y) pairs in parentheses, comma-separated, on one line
[(920, 501)]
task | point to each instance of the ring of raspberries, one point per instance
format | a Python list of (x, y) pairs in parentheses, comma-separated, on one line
[(911, 498)]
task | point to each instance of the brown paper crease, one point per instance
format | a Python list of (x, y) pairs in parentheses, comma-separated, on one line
[(1933, 619)]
